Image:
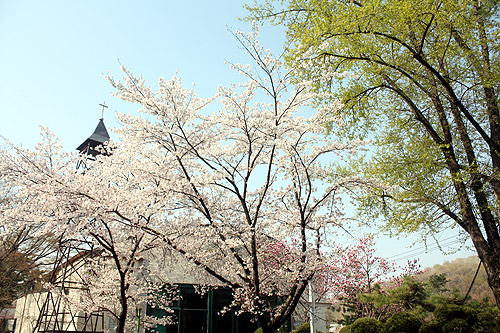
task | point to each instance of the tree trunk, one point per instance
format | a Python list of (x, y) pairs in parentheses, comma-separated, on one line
[(122, 318), (491, 262), (121, 322)]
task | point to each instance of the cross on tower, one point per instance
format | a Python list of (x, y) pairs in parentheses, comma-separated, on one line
[(103, 106)]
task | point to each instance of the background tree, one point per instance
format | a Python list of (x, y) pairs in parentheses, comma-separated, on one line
[(17, 272), (24, 257), (460, 274), (358, 281), (422, 79)]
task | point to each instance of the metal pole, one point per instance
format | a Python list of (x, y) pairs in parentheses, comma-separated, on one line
[(312, 308), (138, 319)]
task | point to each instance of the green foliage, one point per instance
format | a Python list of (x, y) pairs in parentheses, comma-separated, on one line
[(426, 302), (377, 304), (390, 94), (303, 328), (437, 283), (431, 327), (457, 325), (402, 322), (410, 294), (422, 79), (366, 325), (479, 316), (487, 316), (447, 312)]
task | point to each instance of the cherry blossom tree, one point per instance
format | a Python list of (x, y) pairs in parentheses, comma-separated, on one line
[(54, 199), (242, 178), (357, 272), (217, 188)]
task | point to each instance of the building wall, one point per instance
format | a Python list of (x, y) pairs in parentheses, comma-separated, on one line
[(175, 269), (27, 311)]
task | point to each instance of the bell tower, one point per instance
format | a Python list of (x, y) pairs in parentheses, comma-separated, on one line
[(98, 138), (72, 257)]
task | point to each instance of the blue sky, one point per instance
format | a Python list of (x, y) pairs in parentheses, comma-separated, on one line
[(53, 54)]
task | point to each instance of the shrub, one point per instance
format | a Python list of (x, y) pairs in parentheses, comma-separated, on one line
[(402, 322), (431, 327), (448, 312), (366, 325), (457, 325)]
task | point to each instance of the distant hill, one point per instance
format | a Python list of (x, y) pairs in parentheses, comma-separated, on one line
[(460, 273)]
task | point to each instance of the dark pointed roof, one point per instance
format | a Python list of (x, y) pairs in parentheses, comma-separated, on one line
[(99, 137)]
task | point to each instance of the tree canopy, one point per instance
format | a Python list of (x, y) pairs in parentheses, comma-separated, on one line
[(238, 193), (421, 79)]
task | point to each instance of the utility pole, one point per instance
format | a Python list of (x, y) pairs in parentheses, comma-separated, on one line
[(312, 308)]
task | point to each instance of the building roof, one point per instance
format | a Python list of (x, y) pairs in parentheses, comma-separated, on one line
[(98, 138)]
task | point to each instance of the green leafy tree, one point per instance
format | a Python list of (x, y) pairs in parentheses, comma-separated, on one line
[(422, 79), (410, 294), (437, 283)]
